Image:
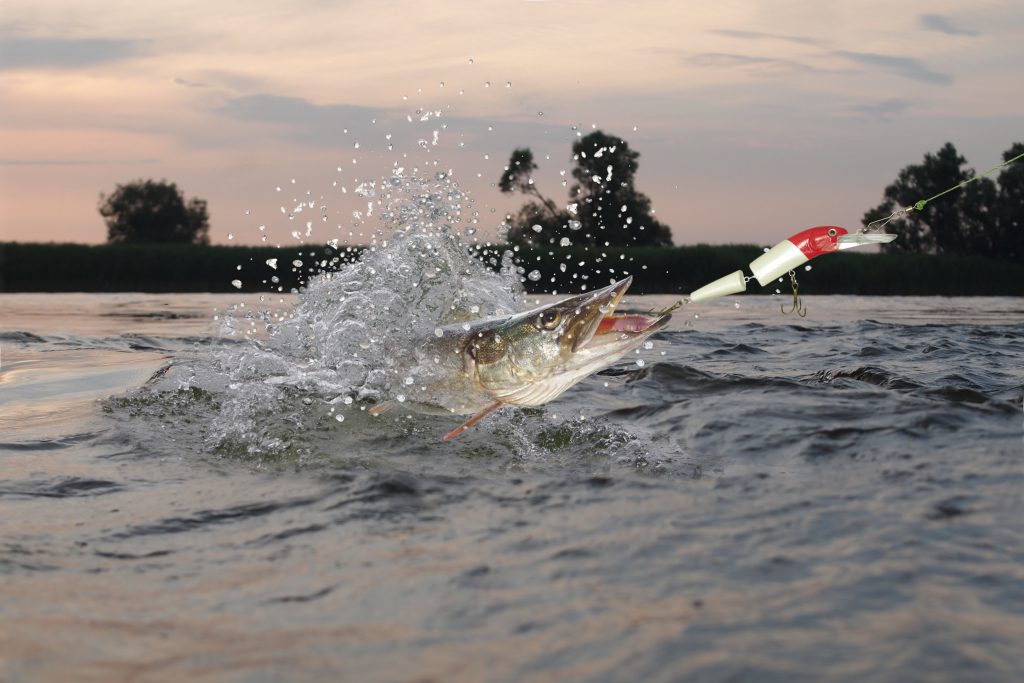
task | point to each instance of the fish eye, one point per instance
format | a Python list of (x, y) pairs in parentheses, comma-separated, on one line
[(831, 232), (548, 320)]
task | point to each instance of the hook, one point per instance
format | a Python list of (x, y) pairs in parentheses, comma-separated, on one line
[(798, 306), (670, 309)]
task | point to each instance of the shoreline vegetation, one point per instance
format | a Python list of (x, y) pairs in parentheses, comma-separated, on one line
[(182, 268)]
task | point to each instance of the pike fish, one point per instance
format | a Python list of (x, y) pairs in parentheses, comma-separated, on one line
[(527, 359)]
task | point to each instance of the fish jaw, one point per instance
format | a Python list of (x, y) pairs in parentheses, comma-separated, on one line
[(540, 368)]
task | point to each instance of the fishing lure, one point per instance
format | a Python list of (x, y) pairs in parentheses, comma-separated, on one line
[(786, 256)]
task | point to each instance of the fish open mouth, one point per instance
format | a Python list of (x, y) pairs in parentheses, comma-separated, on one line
[(618, 329)]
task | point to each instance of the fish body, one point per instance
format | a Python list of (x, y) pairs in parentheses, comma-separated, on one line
[(529, 358)]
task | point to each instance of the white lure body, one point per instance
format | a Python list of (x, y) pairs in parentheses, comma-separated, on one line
[(777, 261), (732, 283)]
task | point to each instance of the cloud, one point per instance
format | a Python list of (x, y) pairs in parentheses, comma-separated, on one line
[(937, 22), (884, 110), (907, 67), (725, 60), (268, 108), (63, 53), (190, 84), (305, 121), (344, 124), (756, 35)]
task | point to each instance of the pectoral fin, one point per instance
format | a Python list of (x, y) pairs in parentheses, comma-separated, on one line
[(473, 420)]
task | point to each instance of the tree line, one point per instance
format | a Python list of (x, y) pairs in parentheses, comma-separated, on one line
[(604, 208)]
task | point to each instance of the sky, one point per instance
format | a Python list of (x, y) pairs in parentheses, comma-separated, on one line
[(754, 120)]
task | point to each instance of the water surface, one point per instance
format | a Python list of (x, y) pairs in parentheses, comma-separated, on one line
[(766, 498)]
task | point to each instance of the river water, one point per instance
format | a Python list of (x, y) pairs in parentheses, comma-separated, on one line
[(765, 498)]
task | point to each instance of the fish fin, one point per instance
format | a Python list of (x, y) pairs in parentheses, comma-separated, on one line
[(473, 420), (381, 408)]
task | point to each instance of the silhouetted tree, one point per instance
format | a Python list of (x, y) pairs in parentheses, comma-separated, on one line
[(610, 208), (963, 222), (604, 206), (518, 175), (150, 211), (1010, 207)]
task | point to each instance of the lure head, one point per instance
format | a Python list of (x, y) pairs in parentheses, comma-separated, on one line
[(532, 357), (826, 239), (814, 242)]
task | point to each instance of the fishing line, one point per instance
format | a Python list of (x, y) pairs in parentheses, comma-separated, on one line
[(807, 245), (919, 205)]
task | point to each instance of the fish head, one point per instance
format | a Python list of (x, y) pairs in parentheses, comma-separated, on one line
[(532, 357)]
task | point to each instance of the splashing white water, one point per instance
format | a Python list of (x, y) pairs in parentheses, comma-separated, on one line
[(355, 332)]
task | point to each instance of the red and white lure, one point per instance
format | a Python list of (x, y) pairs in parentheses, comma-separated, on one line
[(788, 255)]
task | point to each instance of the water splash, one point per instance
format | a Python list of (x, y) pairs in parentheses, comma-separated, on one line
[(354, 333)]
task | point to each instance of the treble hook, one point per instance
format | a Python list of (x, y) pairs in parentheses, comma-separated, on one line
[(666, 311), (798, 306)]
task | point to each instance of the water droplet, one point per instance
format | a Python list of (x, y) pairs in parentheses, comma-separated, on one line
[(487, 84), (408, 381), (575, 225), (471, 61), (540, 113), (272, 262), (641, 362), (807, 267), (438, 332), (564, 242), (297, 263), (536, 228), (400, 398), (534, 275), (648, 345), (508, 84), (230, 236), (339, 417), (237, 284)]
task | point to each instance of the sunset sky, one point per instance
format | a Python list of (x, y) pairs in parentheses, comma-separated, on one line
[(753, 119)]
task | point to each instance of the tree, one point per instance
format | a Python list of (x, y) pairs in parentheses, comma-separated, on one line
[(150, 211), (610, 208), (963, 222), (1010, 207), (518, 176), (604, 206)]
